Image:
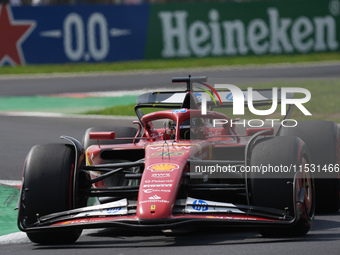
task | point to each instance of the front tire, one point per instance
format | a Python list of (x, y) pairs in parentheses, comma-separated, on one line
[(48, 188), (276, 191)]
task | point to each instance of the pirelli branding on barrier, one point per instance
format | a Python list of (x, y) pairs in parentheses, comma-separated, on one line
[(228, 29)]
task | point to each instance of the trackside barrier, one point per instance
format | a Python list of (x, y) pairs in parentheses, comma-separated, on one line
[(247, 28), (109, 33), (72, 33)]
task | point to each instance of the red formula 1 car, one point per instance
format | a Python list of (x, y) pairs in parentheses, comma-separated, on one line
[(180, 167)]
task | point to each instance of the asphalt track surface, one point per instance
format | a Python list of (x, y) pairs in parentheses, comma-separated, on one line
[(50, 84), (19, 134)]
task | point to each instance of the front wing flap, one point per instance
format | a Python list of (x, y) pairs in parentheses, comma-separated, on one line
[(195, 212)]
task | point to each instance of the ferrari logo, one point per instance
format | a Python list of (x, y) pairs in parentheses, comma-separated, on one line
[(153, 207)]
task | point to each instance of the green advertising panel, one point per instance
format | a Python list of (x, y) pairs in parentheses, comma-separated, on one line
[(247, 28)]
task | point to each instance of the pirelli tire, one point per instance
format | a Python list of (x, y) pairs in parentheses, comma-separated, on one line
[(275, 189), (48, 188), (120, 132), (322, 140)]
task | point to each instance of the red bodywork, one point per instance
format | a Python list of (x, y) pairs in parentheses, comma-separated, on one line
[(166, 161), (149, 181)]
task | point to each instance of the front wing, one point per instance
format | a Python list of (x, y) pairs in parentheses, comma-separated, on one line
[(187, 212)]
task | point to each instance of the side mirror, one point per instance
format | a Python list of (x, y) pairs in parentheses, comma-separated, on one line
[(102, 135)]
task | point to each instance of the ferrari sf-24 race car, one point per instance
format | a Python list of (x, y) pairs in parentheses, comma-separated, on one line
[(152, 177)]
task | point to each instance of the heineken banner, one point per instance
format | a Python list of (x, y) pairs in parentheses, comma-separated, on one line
[(108, 33), (248, 28)]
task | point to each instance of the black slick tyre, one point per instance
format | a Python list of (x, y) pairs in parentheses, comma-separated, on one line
[(275, 189), (48, 188)]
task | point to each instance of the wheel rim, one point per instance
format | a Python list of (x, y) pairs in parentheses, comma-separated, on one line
[(304, 180)]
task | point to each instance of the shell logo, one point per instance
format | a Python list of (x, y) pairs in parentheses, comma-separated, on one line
[(163, 167)]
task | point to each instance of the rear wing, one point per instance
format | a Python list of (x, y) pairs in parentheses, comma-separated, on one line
[(215, 96), (263, 97), (203, 95)]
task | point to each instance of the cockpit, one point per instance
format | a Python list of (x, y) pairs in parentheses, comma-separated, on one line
[(183, 124)]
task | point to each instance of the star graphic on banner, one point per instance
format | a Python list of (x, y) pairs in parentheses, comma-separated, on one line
[(12, 34)]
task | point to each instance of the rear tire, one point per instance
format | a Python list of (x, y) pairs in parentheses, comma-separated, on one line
[(322, 140), (276, 191), (48, 188)]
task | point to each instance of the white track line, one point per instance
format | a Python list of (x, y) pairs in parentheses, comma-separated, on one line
[(119, 93), (14, 238), (10, 182)]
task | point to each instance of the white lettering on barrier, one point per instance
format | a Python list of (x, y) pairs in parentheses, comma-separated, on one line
[(232, 37)]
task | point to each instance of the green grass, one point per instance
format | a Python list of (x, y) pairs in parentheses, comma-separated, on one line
[(167, 64), (324, 103), (126, 110), (8, 217)]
